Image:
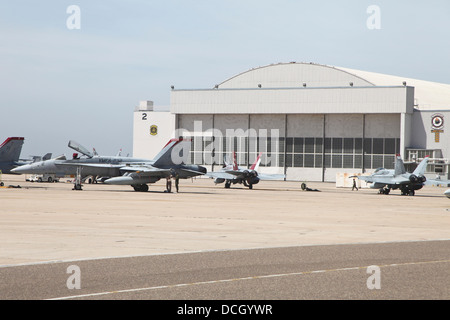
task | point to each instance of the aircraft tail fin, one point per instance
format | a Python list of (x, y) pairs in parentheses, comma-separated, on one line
[(420, 169), (235, 165), (255, 164), (175, 152), (399, 166), (11, 148)]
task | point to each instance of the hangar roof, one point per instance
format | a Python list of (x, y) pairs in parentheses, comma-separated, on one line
[(428, 95)]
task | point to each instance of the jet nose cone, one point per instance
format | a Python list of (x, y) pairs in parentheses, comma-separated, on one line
[(447, 193), (22, 169), (17, 170)]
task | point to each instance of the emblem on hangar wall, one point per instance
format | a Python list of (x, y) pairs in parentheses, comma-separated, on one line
[(154, 130), (437, 125)]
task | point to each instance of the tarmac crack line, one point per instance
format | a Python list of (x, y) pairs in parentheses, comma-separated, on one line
[(243, 279)]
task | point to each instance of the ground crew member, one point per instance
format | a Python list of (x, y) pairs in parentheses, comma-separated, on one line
[(354, 185), (177, 180), (169, 184)]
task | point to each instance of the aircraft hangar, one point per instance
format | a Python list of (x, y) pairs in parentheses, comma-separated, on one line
[(310, 121)]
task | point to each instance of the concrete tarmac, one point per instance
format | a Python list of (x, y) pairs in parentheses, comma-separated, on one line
[(51, 222), (109, 231)]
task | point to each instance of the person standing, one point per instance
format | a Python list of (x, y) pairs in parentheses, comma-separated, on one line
[(177, 181)]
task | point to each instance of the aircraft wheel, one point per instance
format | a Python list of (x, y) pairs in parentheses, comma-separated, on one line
[(144, 188), (411, 192), (50, 179), (250, 186), (227, 184)]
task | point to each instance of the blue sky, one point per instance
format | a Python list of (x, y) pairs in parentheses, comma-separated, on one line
[(59, 84)]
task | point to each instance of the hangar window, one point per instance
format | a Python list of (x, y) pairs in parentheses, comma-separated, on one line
[(298, 160), (337, 145), (358, 145), (298, 145), (289, 145), (389, 146), (309, 160), (377, 146), (336, 161), (348, 145), (368, 145), (348, 161), (309, 145), (377, 161), (319, 145), (318, 161)]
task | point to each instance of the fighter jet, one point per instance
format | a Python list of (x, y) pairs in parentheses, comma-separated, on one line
[(81, 166), (170, 162), (387, 180), (9, 154), (122, 170), (231, 173)]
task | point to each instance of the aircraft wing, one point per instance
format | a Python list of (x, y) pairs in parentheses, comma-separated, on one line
[(235, 174), (437, 182), (271, 176), (91, 165), (384, 180), (220, 175), (146, 171)]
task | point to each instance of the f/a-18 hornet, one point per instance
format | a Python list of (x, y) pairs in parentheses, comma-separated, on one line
[(387, 180), (120, 170), (231, 173), (169, 162)]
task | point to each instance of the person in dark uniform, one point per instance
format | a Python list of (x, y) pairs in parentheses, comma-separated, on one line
[(177, 180), (354, 185), (169, 184)]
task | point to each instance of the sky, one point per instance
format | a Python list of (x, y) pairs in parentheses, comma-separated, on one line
[(78, 74)]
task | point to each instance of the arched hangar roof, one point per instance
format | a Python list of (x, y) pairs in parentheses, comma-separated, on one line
[(428, 95)]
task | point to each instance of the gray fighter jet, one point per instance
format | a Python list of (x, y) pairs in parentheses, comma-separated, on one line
[(387, 180), (231, 173), (106, 166), (170, 162)]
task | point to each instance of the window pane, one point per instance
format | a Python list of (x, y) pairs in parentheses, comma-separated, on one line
[(319, 145), (336, 161), (309, 160), (389, 146), (298, 145), (298, 160), (348, 145), (337, 145), (289, 145), (377, 146), (309, 145), (358, 145), (348, 161)]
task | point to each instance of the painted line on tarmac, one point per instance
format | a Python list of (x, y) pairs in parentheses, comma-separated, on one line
[(88, 295)]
